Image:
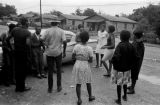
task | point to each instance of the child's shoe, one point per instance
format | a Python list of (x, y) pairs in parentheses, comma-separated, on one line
[(91, 98)]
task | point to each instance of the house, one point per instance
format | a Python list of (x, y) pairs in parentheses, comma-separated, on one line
[(46, 18), (71, 21), (30, 17), (14, 17), (93, 23)]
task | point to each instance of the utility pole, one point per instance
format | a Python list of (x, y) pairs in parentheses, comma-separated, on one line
[(41, 12)]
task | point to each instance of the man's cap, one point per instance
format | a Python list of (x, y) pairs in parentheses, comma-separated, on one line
[(12, 22)]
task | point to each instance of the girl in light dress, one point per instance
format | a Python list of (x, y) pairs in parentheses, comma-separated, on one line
[(83, 54), (102, 40)]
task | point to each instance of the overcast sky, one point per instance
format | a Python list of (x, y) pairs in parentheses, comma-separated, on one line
[(111, 7)]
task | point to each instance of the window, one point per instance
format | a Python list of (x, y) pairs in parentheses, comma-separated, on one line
[(73, 22)]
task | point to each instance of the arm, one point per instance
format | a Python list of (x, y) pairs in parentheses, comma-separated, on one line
[(74, 53), (8, 40), (116, 55), (73, 56), (90, 60), (64, 48), (64, 44), (112, 44)]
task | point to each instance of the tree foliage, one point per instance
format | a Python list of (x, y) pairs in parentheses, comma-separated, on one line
[(86, 12), (148, 17), (89, 12), (55, 12), (6, 10), (78, 12)]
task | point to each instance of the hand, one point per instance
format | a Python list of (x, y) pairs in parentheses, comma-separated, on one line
[(103, 47), (64, 55)]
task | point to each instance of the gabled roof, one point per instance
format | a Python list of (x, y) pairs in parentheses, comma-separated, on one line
[(26, 15), (49, 16), (114, 18), (74, 17)]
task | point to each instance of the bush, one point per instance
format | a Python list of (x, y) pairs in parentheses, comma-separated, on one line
[(150, 37)]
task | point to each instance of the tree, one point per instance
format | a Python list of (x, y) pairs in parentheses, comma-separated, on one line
[(55, 12), (7, 10), (78, 12), (157, 28), (89, 12)]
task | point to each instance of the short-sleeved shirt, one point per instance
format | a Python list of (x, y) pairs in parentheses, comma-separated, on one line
[(54, 38), (20, 35), (83, 52)]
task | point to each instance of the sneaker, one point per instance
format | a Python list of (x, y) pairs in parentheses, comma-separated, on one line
[(59, 89), (44, 76), (118, 102), (131, 91), (23, 90), (107, 75), (96, 66), (79, 102), (91, 98), (49, 90), (124, 98)]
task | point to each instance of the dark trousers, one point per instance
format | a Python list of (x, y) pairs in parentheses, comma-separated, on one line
[(5, 66), (20, 69), (12, 67), (37, 60), (51, 61)]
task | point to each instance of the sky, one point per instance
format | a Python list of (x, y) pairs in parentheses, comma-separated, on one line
[(111, 7)]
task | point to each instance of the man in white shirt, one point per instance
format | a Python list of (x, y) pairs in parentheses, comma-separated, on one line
[(54, 38)]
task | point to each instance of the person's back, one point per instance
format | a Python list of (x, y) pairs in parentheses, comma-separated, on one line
[(125, 54), (83, 52), (139, 46), (20, 36), (54, 40), (126, 58), (123, 60)]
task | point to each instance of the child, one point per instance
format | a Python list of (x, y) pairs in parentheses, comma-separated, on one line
[(109, 50), (123, 58), (102, 40), (139, 46), (83, 55)]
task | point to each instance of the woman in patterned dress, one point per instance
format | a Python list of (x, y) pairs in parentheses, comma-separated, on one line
[(83, 54), (123, 59)]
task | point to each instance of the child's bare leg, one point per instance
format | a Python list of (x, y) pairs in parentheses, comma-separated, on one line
[(78, 91), (89, 89), (118, 101), (125, 92)]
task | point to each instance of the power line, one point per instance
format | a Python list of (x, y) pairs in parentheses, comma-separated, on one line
[(92, 5), (110, 4)]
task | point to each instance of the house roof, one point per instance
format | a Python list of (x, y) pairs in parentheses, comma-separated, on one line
[(49, 16), (115, 19), (74, 17), (26, 15)]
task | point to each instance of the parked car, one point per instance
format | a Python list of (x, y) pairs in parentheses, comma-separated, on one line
[(70, 36)]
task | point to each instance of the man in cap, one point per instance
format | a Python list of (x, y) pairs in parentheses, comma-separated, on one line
[(54, 38), (21, 37)]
